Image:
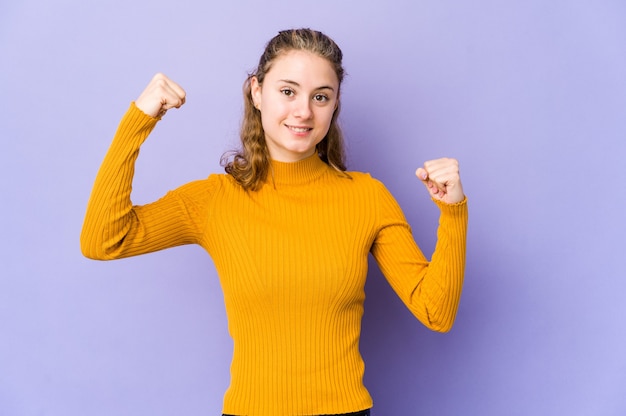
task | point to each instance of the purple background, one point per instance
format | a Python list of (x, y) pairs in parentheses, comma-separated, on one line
[(530, 96)]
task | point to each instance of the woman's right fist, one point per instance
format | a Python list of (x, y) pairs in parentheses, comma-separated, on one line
[(160, 95)]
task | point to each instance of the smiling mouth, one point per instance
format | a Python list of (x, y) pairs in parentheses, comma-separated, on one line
[(299, 129)]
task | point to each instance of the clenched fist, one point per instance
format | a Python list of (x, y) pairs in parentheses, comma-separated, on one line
[(442, 179), (160, 95)]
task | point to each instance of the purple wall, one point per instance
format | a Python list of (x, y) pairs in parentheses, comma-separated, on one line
[(529, 96)]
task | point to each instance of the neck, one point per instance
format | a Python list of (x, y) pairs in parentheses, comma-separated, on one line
[(296, 173)]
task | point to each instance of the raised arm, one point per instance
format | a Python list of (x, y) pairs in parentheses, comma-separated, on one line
[(430, 289), (112, 225)]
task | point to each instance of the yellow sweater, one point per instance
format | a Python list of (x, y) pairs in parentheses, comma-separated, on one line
[(292, 261)]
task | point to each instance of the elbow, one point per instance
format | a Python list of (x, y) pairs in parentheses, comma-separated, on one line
[(92, 248), (442, 325), (93, 252), (90, 251), (442, 328)]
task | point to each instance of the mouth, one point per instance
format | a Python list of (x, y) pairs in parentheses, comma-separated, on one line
[(298, 129)]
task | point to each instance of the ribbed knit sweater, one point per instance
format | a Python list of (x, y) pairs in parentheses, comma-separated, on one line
[(292, 262)]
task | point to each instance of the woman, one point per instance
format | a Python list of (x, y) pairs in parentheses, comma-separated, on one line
[(289, 231)]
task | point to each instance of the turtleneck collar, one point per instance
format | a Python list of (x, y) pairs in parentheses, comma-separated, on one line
[(296, 173)]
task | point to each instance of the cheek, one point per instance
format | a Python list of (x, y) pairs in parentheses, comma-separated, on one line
[(326, 117), (273, 114), (266, 119)]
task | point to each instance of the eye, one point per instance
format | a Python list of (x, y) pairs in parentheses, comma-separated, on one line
[(320, 98), (288, 92)]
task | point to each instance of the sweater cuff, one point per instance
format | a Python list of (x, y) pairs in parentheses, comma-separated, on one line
[(134, 128), (458, 208), (135, 111)]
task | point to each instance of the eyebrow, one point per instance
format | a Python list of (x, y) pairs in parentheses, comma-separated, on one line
[(324, 87)]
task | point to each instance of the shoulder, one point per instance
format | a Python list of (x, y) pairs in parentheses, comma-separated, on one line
[(200, 185), (378, 196), (366, 181), (203, 189), (214, 191), (362, 186)]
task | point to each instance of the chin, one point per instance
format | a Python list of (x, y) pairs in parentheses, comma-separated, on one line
[(304, 152)]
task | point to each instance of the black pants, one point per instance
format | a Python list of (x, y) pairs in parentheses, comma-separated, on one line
[(361, 413)]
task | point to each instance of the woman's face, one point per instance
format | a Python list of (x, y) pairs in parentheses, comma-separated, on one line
[(297, 100)]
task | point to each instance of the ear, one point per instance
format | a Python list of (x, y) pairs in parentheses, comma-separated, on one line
[(255, 91)]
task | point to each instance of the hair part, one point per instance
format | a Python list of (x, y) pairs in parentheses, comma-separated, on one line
[(250, 165)]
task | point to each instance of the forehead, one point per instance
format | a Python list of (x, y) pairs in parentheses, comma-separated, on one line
[(303, 67)]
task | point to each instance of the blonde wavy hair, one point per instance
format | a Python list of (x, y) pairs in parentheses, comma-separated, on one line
[(250, 165)]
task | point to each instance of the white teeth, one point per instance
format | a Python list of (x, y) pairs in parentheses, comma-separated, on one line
[(299, 129)]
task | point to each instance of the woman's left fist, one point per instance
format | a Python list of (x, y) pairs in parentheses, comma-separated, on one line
[(442, 179)]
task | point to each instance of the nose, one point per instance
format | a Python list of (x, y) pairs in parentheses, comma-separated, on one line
[(302, 109)]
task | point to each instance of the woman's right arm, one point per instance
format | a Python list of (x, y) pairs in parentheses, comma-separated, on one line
[(113, 227)]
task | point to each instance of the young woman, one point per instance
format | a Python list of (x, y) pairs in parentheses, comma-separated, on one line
[(289, 231)]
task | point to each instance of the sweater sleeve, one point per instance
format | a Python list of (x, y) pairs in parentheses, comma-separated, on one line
[(113, 227), (431, 290)]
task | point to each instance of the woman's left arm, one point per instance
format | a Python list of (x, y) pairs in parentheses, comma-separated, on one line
[(430, 289)]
